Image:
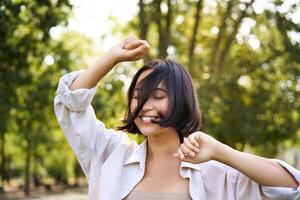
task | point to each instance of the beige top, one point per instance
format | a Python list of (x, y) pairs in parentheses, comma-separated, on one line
[(143, 195)]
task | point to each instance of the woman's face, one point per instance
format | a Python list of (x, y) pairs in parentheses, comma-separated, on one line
[(157, 103)]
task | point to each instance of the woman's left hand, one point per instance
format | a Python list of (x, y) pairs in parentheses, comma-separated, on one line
[(198, 147)]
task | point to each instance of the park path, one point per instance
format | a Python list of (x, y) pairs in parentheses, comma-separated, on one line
[(69, 194)]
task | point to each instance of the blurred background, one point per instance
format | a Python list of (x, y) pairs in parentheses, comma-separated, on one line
[(243, 56)]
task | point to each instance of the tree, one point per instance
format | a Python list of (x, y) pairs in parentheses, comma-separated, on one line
[(244, 63), (25, 35)]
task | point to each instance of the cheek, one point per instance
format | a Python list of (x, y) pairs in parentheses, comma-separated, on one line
[(133, 105), (164, 105)]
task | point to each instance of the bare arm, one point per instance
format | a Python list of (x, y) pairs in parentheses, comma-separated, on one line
[(131, 49), (264, 171)]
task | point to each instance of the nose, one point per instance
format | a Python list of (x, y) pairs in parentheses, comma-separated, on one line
[(148, 105)]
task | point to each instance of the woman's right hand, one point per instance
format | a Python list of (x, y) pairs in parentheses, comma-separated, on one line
[(131, 49)]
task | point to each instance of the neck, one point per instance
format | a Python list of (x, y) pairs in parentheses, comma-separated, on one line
[(163, 145)]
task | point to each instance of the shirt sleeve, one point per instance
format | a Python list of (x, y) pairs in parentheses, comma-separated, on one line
[(246, 188), (284, 192), (88, 137)]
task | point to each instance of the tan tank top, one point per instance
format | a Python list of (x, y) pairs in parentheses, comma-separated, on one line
[(143, 195)]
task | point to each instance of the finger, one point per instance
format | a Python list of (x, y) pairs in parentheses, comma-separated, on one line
[(189, 159), (198, 137), (127, 40), (186, 151), (140, 51), (181, 154), (133, 44), (193, 141), (189, 145)]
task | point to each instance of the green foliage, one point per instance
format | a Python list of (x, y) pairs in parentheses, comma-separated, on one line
[(250, 96), (27, 83)]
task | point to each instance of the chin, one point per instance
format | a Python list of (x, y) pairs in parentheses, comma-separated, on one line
[(148, 131), (148, 128)]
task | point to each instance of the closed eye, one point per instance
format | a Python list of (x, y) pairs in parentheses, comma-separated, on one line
[(158, 97)]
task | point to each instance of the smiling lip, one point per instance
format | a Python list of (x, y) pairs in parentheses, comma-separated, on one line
[(148, 118)]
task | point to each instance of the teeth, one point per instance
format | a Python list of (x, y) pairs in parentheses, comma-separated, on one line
[(147, 118)]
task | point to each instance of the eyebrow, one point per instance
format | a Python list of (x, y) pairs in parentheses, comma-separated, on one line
[(160, 89)]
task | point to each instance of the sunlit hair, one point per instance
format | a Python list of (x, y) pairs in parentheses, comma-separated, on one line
[(183, 114)]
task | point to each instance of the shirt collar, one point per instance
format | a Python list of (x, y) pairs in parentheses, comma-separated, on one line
[(190, 166), (139, 156)]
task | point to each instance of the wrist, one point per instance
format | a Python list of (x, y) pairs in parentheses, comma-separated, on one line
[(111, 59), (222, 152)]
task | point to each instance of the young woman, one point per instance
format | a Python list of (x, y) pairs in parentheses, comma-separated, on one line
[(176, 161)]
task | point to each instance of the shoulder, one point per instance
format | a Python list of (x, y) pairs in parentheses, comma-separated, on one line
[(121, 139), (213, 165)]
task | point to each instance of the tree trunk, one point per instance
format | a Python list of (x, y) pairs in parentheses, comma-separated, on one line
[(191, 54), (144, 24), (225, 53), (143, 21), (28, 159), (158, 20), (6, 104), (164, 27), (221, 34), (3, 158), (167, 32)]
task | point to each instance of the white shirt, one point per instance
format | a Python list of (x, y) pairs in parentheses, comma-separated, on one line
[(113, 164)]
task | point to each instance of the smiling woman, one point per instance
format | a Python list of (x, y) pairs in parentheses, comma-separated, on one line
[(176, 161)]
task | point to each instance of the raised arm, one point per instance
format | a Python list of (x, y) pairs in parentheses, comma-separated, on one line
[(130, 50), (88, 137)]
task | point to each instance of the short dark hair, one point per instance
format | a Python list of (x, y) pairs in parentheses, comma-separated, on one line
[(184, 112)]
